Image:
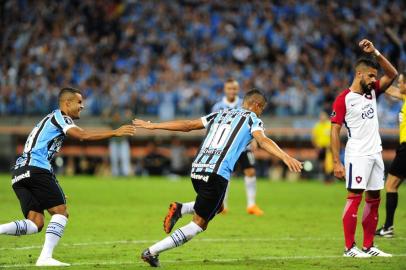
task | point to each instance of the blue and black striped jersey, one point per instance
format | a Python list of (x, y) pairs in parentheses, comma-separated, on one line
[(228, 134), (45, 140)]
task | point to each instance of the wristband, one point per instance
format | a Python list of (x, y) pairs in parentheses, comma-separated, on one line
[(377, 53)]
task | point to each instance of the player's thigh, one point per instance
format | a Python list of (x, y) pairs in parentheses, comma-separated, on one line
[(210, 196), (48, 191), (357, 171), (398, 167), (376, 180), (246, 161), (22, 186), (27, 200)]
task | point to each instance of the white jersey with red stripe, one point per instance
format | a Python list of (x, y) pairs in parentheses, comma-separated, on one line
[(358, 112)]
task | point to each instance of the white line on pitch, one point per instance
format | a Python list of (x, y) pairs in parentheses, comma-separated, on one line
[(105, 243), (269, 258)]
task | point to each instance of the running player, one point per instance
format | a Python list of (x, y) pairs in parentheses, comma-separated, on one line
[(397, 171), (246, 162), (228, 134), (34, 181), (364, 168)]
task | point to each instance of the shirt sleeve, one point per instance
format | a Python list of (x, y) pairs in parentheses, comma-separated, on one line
[(378, 90), (339, 110), (256, 124), (62, 122), (210, 117)]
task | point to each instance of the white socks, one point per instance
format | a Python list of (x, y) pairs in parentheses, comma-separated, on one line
[(53, 233), (19, 227), (177, 238), (251, 189), (188, 208)]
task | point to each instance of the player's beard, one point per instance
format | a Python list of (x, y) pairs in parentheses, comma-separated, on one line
[(366, 88)]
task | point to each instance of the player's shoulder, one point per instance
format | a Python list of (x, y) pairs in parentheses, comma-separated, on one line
[(342, 96), (60, 116), (68, 120), (344, 93)]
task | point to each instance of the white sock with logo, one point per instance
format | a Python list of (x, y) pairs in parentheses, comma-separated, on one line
[(53, 233), (251, 189), (19, 227), (177, 238), (188, 208)]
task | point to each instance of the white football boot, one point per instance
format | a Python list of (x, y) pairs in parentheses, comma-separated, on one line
[(50, 262), (374, 251), (356, 253)]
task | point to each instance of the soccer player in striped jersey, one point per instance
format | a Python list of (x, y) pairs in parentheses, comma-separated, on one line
[(33, 179), (397, 171), (246, 162), (228, 134), (356, 107)]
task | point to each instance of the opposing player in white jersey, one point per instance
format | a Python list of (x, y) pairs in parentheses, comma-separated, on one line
[(246, 162), (363, 171)]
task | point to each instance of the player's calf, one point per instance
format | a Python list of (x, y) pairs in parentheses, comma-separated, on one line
[(19, 227)]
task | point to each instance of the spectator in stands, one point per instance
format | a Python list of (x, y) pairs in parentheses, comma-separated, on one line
[(127, 47)]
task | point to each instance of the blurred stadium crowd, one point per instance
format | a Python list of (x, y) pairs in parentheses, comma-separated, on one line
[(169, 58)]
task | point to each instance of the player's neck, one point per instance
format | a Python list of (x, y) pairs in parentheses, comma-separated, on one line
[(356, 87)]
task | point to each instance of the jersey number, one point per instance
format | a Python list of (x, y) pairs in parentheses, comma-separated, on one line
[(30, 140), (219, 135)]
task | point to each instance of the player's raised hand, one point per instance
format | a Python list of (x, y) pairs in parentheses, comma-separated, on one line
[(138, 123), (126, 130), (293, 164), (339, 171), (367, 46)]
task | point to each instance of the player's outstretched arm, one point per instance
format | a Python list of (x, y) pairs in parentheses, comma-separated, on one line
[(271, 147), (397, 92), (176, 125), (86, 135), (339, 170), (390, 71)]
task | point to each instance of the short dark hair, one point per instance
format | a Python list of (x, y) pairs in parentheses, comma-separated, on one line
[(67, 90), (230, 79), (367, 61), (253, 93)]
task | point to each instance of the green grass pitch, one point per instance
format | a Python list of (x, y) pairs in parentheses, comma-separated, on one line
[(113, 220)]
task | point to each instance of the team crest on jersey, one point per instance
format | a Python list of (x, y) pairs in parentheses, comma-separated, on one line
[(358, 179), (333, 114), (68, 120)]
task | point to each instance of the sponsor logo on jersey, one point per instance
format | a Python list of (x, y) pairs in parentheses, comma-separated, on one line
[(201, 165)]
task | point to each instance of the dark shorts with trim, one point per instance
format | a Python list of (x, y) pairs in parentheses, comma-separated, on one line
[(398, 166), (210, 195), (37, 189), (245, 161)]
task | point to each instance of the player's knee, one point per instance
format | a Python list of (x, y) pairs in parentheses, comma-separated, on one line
[(60, 210), (392, 183), (39, 222), (250, 172)]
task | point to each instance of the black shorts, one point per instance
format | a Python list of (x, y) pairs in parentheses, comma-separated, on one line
[(37, 189), (210, 195), (246, 160), (398, 167)]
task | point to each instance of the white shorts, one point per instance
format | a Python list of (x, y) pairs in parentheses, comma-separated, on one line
[(366, 172)]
